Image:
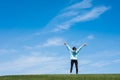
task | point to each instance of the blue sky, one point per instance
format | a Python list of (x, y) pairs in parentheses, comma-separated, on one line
[(32, 33)]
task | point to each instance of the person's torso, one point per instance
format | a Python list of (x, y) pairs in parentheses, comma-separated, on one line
[(74, 55)]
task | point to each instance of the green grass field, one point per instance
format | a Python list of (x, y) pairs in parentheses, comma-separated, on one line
[(63, 77)]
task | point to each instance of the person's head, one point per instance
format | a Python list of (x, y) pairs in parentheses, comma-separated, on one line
[(74, 48)]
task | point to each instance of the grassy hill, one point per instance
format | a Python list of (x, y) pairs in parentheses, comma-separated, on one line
[(63, 77)]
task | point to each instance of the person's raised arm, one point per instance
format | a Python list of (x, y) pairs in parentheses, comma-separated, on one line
[(68, 47), (83, 45)]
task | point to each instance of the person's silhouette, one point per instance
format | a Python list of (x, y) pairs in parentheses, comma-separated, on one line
[(74, 56)]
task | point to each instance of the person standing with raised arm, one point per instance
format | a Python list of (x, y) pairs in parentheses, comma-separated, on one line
[(74, 55)]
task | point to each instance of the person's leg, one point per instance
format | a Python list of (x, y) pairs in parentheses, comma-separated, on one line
[(76, 65), (71, 67)]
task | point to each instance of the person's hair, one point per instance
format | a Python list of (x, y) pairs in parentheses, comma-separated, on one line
[(74, 48)]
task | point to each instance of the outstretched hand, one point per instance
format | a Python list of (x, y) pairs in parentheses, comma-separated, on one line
[(64, 43), (84, 44)]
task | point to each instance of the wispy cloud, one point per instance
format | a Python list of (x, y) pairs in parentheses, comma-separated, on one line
[(90, 37), (3, 51), (50, 42), (84, 62), (24, 64), (116, 61), (53, 42), (31, 64), (100, 64), (94, 13), (85, 39), (101, 59), (86, 16), (103, 63), (80, 5), (78, 12)]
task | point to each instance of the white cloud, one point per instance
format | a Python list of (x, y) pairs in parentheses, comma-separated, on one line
[(102, 59), (107, 53), (28, 47), (23, 63), (63, 21), (84, 62), (80, 5), (53, 42), (78, 12), (37, 64), (94, 13), (116, 61), (50, 42), (86, 16), (3, 51), (37, 33), (90, 37), (100, 64), (28, 64)]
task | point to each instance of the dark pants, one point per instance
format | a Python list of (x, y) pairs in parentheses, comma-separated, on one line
[(76, 65)]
